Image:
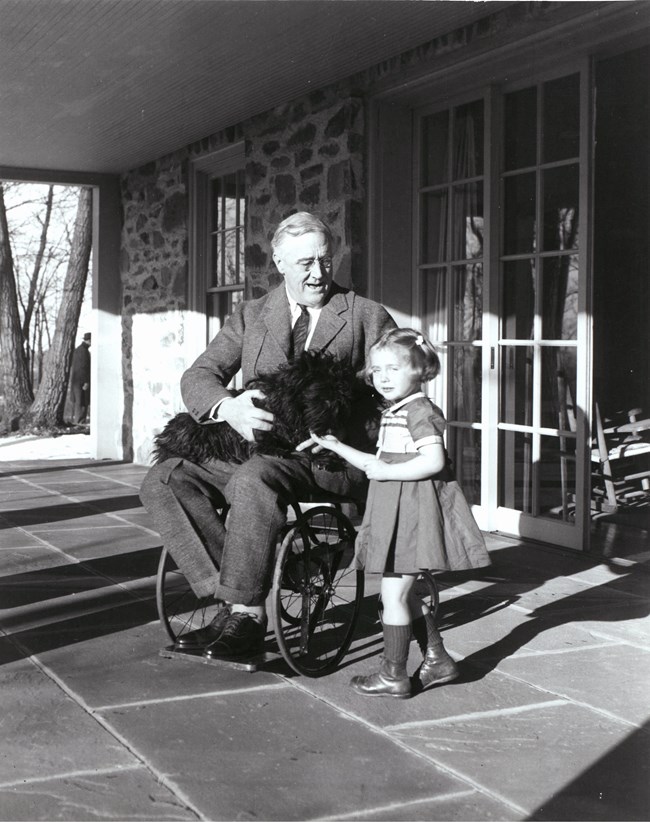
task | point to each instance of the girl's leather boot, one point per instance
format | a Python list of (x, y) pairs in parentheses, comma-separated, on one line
[(438, 667), (391, 679)]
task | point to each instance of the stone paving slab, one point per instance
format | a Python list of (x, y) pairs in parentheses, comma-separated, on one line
[(62, 517), (506, 631), (115, 538), (124, 667), (496, 692), (611, 687), (70, 620), (529, 755), (461, 806), (37, 740), (634, 631), (133, 794), (44, 582), (13, 538), (276, 753)]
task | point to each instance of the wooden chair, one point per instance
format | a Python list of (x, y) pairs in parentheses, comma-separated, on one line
[(620, 457), (621, 460)]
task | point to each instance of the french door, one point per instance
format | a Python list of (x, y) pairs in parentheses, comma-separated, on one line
[(501, 233)]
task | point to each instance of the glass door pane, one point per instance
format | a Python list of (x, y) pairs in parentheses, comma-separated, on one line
[(450, 265)]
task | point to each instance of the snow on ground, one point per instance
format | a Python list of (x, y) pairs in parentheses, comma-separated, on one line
[(28, 447)]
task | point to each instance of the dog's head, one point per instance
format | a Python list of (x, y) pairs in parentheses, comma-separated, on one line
[(314, 392)]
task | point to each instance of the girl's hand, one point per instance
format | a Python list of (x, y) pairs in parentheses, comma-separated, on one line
[(329, 441), (377, 470)]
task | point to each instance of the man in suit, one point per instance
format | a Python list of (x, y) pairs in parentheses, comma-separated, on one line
[(309, 311), (80, 380)]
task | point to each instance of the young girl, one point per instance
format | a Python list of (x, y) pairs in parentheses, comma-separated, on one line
[(416, 515)]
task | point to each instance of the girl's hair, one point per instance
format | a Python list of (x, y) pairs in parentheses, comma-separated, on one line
[(416, 347)]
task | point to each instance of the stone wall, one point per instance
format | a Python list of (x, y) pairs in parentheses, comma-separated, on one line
[(307, 156)]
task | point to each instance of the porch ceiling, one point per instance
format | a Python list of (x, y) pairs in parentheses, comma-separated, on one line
[(108, 85)]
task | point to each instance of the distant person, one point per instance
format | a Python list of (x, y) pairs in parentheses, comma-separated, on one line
[(416, 517), (80, 380)]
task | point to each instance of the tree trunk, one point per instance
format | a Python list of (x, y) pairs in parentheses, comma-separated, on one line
[(38, 262), (48, 407), (16, 388)]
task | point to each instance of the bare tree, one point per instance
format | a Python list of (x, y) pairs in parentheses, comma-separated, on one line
[(47, 409), (16, 387)]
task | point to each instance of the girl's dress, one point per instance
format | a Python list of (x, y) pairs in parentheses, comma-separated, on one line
[(416, 525)]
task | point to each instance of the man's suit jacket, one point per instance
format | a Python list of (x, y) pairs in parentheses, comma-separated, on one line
[(80, 368), (256, 339)]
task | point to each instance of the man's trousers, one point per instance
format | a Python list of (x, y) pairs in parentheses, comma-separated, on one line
[(183, 499)]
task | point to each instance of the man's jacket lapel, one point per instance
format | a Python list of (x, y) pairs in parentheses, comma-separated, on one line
[(333, 318)]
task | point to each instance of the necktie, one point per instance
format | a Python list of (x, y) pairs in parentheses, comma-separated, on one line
[(299, 332)]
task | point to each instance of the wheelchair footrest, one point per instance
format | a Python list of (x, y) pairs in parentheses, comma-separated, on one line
[(251, 664)]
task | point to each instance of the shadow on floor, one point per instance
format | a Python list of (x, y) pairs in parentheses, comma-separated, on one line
[(58, 512), (616, 787)]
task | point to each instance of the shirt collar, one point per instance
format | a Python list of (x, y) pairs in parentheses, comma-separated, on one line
[(402, 402), (294, 309)]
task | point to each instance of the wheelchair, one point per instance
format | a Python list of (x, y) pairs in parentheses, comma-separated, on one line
[(316, 595)]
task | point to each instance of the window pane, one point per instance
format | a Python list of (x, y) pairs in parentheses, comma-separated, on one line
[(435, 304), (464, 449), (219, 307), (467, 228), (560, 298), (561, 118), (464, 362), (518, 300), (557, 483), (216, 260), (227, 258), (561, 208), (241, 200), (241, 249), (517, 385), (216, 205), (434, 228), (515, 470), (559, 388), (435, 140), (519, 214), (520, 129), (231, 259), (467, 293), (231, 200), (468, 141)]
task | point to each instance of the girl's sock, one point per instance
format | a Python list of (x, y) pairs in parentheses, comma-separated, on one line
[(396, 642)]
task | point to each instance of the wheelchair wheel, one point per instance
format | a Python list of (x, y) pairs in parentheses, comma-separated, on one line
[(179, 609), (316, 594), (427, 589)]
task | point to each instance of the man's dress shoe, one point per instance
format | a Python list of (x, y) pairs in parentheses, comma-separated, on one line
[(202, 637), (242, 634)]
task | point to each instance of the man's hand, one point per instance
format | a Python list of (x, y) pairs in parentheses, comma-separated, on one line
[(242, 415)]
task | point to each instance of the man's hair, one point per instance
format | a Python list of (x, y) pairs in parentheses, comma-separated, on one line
[(297, 224)]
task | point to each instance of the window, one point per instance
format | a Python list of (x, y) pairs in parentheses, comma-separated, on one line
[(218, 220)]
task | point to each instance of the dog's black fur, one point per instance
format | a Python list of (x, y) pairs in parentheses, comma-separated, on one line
[(314, 392)]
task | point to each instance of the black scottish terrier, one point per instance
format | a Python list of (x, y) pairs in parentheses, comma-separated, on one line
[(314, 392)]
